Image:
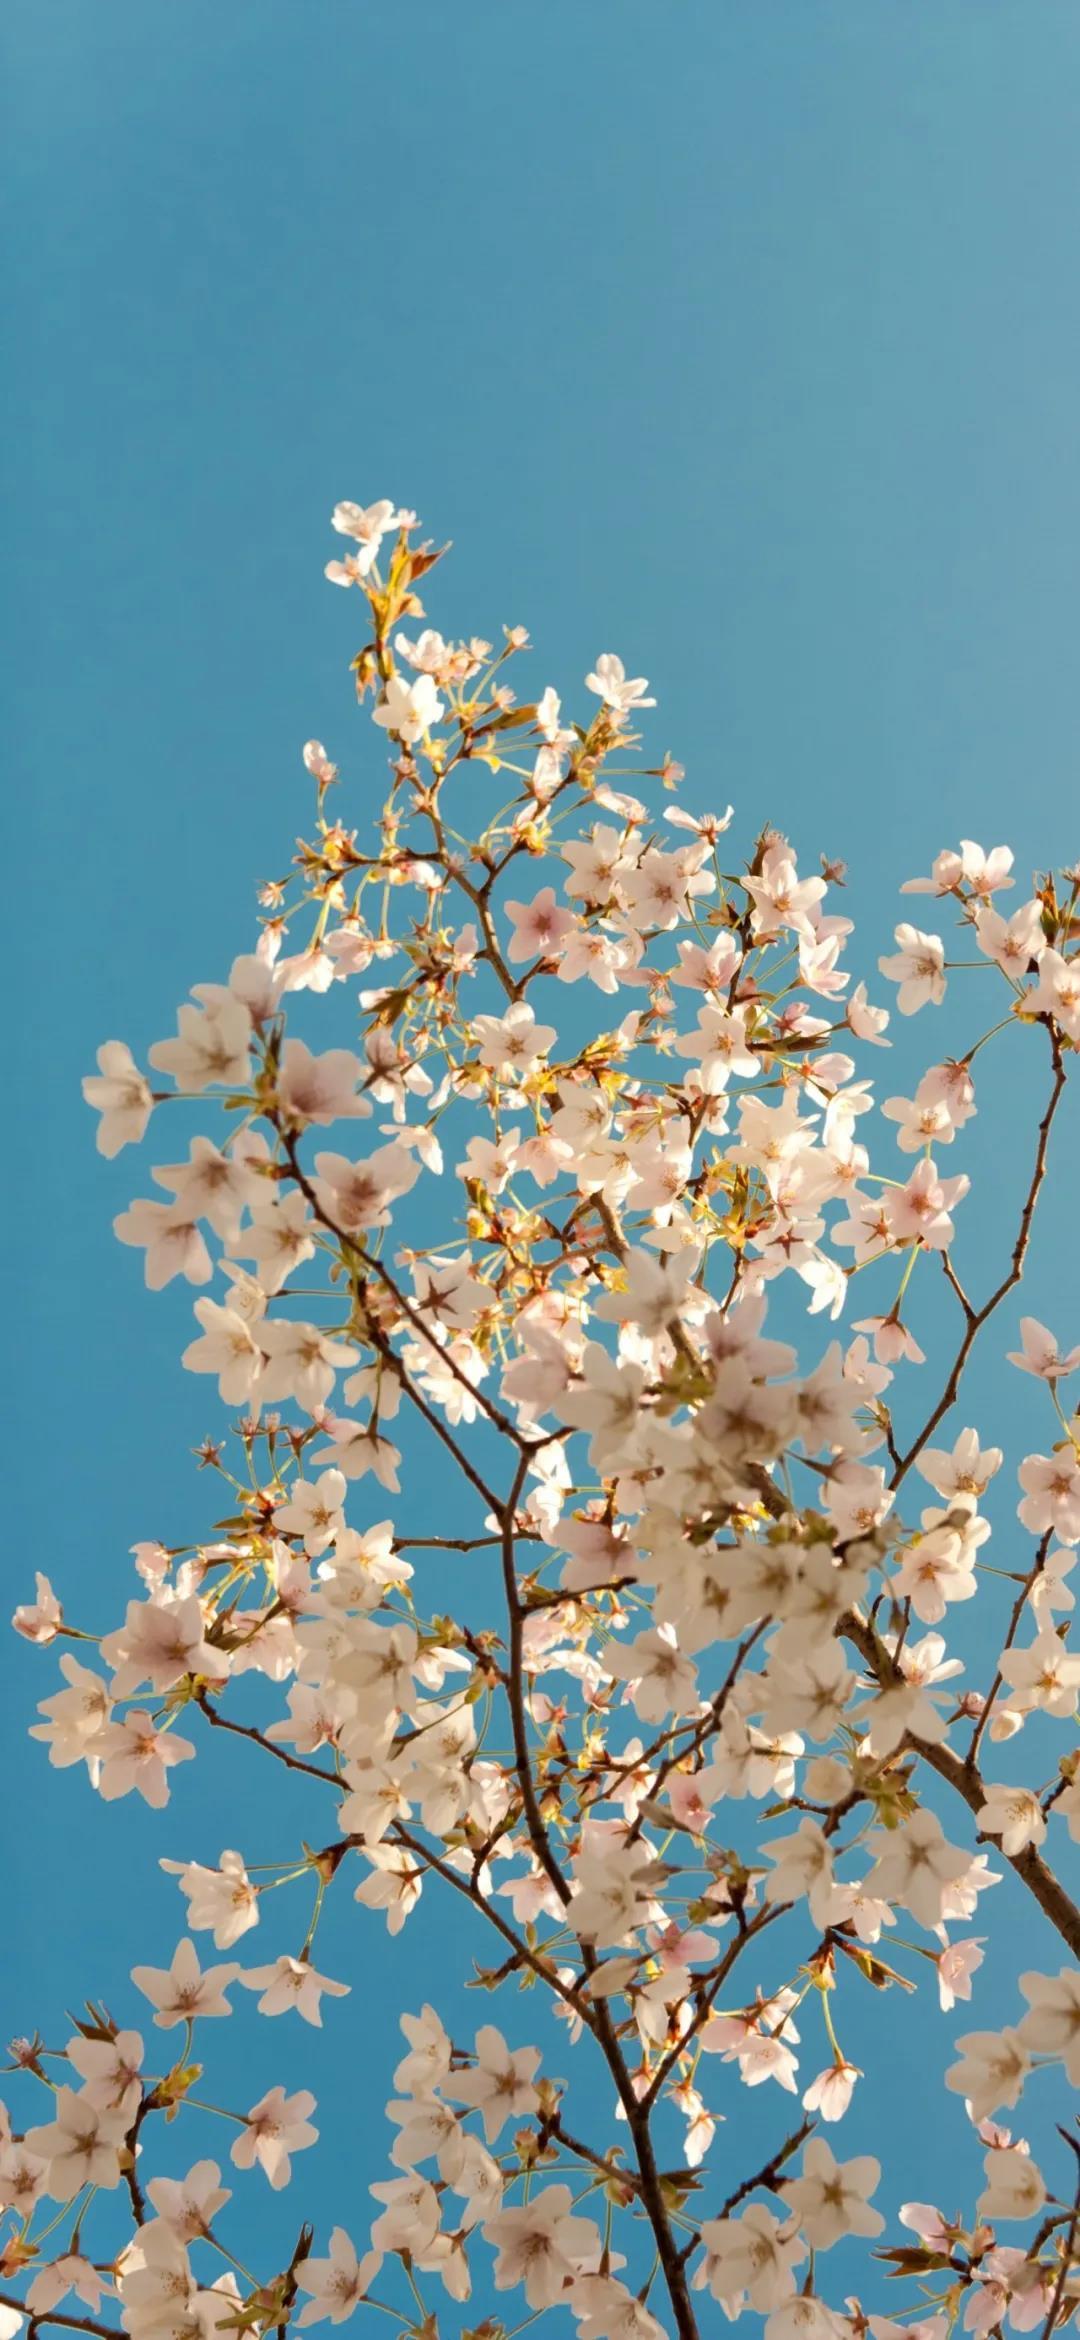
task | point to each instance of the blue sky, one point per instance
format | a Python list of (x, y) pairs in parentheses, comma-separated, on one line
[(742, 340)]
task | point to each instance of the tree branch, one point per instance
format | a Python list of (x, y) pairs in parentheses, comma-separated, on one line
[(967, 1781), (977, 1317)]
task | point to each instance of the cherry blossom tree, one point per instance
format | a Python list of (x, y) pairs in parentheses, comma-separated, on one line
[(671, 1707)]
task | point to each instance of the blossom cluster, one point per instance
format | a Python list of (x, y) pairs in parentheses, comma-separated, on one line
[(706, 1736)]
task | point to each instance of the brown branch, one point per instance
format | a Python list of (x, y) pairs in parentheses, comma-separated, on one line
[(652, 2197), (767, 2176), (529, 1957), (131, 2141), (377, 1338), (452, 1543), (413, 1315), (1018, 1608), (221, 1722), (515, 1692), (603, 2028), (701, 1732), (379, 1341), (968, 1783), (975, 1318), (1066, 2251), (553, 2125), (766, 1916), (70, 2323)]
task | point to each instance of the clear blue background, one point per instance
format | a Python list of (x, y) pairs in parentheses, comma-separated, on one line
[(741, 339)]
